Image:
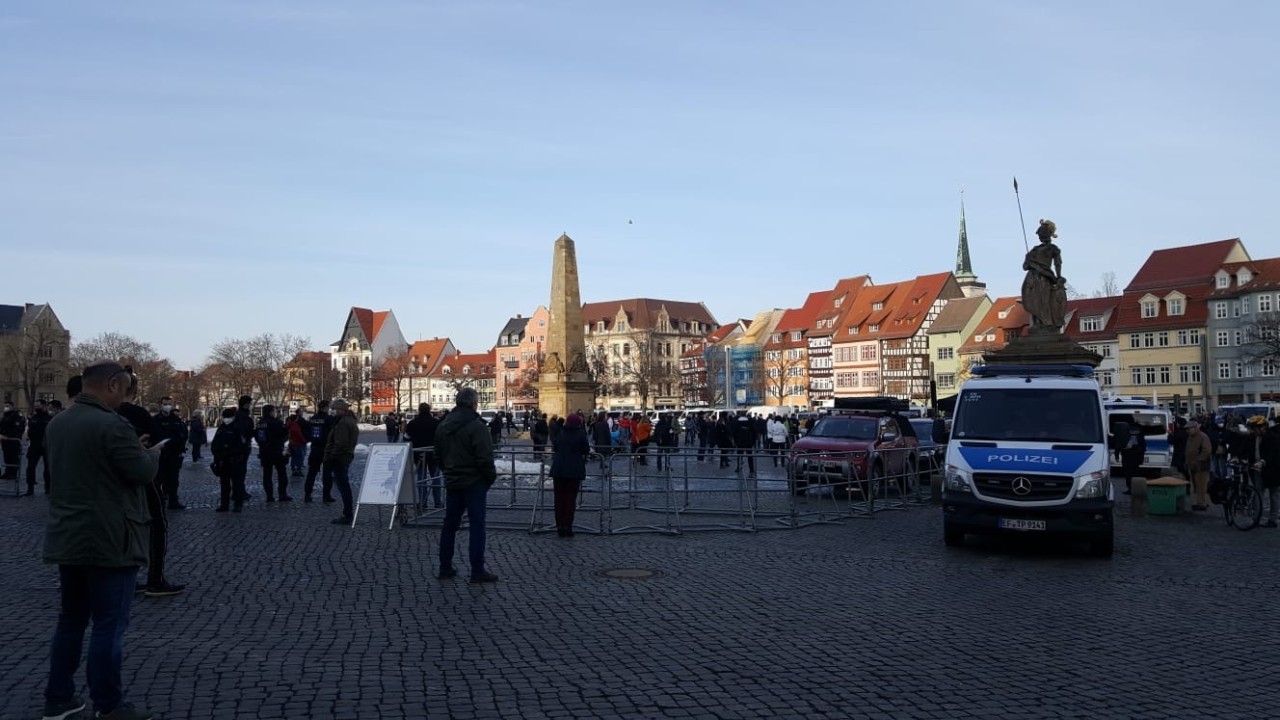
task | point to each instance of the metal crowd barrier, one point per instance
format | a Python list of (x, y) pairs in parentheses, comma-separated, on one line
[(689, 489)]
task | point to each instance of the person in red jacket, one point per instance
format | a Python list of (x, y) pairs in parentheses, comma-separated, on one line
[(297, 444)]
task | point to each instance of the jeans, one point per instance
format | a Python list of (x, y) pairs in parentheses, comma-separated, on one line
[(471, 501), (342, 481), (1218, 465), (297, 454), (427, 471), (103, 595)]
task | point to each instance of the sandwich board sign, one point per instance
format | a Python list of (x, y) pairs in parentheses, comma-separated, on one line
[(388, 479)]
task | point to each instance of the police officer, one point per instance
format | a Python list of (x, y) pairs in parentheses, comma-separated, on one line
[(247, 428), (744, 438), (318, 428), (271, 436), (11, 428), (35, 446), (167, 426)]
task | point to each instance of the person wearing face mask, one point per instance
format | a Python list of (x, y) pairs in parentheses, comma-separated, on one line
[(11, 428), (229, 449), (97, 535), (317, 429), (248, 428), (271, 453), (35, 447), (168, 428)]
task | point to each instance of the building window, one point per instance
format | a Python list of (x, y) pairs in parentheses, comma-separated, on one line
[(1090, 324), (1174, 306), (1223, 281), (1165, 375), (1235, 308), (1268, 367), (1224, 370), (1222, 339), (1150, 374), (946, 353), (1106, 351), (1220, 310), (1244, 305), (869, 352), (1188, 337), (874, 328), (1239, 369), (1135, 376), (1148, 339), (1189, 374), (1235, 337), (1149, 309), (946, 381), (1107, 379), (1135, 341), (1164, 339), (877, 306), (1264, 303)]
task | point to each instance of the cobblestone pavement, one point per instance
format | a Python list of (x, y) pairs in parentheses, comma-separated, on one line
[(287, 616)]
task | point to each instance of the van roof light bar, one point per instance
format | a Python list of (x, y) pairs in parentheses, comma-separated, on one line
[(1077, 371)]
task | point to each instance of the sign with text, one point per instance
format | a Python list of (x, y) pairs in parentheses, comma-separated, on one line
[(388, 478)]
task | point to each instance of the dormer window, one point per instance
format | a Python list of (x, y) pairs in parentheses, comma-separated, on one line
[(1004, 314), (1150, 307), (874, 328), (853, 331), (839, 301), (1243, 276), (1222, 280), (1174, 306), (466, 369), (1092, 323), (600, 326), (877, 306)]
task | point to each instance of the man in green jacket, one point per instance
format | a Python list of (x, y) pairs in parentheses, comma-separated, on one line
[(98, 536), (464, 450), (339, 452)]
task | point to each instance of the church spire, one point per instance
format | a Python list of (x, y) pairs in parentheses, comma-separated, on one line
[(968, 281), (964, 267)]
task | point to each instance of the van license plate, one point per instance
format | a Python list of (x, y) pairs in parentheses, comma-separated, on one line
[(1014, 524)]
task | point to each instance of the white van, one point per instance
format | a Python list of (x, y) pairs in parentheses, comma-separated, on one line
[(1154, 424), (1027, 453)]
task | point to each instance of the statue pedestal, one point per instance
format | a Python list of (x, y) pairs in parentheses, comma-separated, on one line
[(560, 394), (1043, 348)]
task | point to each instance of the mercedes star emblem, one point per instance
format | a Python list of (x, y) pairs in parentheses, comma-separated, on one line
[(1021, 486)]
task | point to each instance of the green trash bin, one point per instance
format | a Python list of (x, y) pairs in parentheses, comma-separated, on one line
[(1164, 496)]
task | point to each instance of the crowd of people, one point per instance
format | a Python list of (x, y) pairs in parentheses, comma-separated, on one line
[(1203, 449)]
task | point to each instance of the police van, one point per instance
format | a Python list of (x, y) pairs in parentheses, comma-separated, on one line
[(1027, 453), (1154, 423)]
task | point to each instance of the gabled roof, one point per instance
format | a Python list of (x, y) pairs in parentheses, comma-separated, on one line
[(1195, 309), (1266, 276), (429, 353), (1186, 265), (956, 315), (1015, 319), (829, 316), (514, 327), (914, 305), (378, 319), (642, 313), (1104, 307), (873, 306), (482, 365), (309, 358)]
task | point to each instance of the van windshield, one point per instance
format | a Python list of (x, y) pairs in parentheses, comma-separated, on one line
[(1057, 415)]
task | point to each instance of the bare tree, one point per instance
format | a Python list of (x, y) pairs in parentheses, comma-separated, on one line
[(645, 372), (187, 389), (254, 366), (717, 366), (396, 374), (316, 381), (1110, 286), (1262, 338), (154, 373), (34, 355), (777, 374)]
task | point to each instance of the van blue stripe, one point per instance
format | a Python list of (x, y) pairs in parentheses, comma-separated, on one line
[(1066, 462)]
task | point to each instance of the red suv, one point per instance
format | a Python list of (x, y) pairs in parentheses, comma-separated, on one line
[(862, 440)]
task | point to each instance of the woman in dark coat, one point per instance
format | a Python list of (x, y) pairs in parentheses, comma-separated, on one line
[(568, 470)]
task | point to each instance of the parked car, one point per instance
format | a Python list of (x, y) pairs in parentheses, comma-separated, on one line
[(860, 444), (932, 455)]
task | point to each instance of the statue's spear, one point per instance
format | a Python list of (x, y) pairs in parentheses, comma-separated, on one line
[(1025, 246)]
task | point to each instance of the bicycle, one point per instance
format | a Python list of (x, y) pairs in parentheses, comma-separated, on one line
[(1243, 506)]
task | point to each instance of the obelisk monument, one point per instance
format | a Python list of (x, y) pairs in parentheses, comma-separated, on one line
[(564, 382)]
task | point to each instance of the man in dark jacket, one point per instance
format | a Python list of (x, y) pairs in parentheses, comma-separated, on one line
[(422, 437), (317, 430), (664, 434), (36, 426), (97, 535), (744, 438), (465, 451), (339, 453), (271, 437), (158, 547), (168, 428), (12, 426), (568, 470), (247, 428)]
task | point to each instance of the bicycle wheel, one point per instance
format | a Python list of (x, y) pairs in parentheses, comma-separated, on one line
[(1246, 508)]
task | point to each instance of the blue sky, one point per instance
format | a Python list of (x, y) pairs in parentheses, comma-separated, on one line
[(189, 171)]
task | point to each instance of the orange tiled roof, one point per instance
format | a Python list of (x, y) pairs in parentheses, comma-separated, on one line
[(1015, 319), (845, 293)]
